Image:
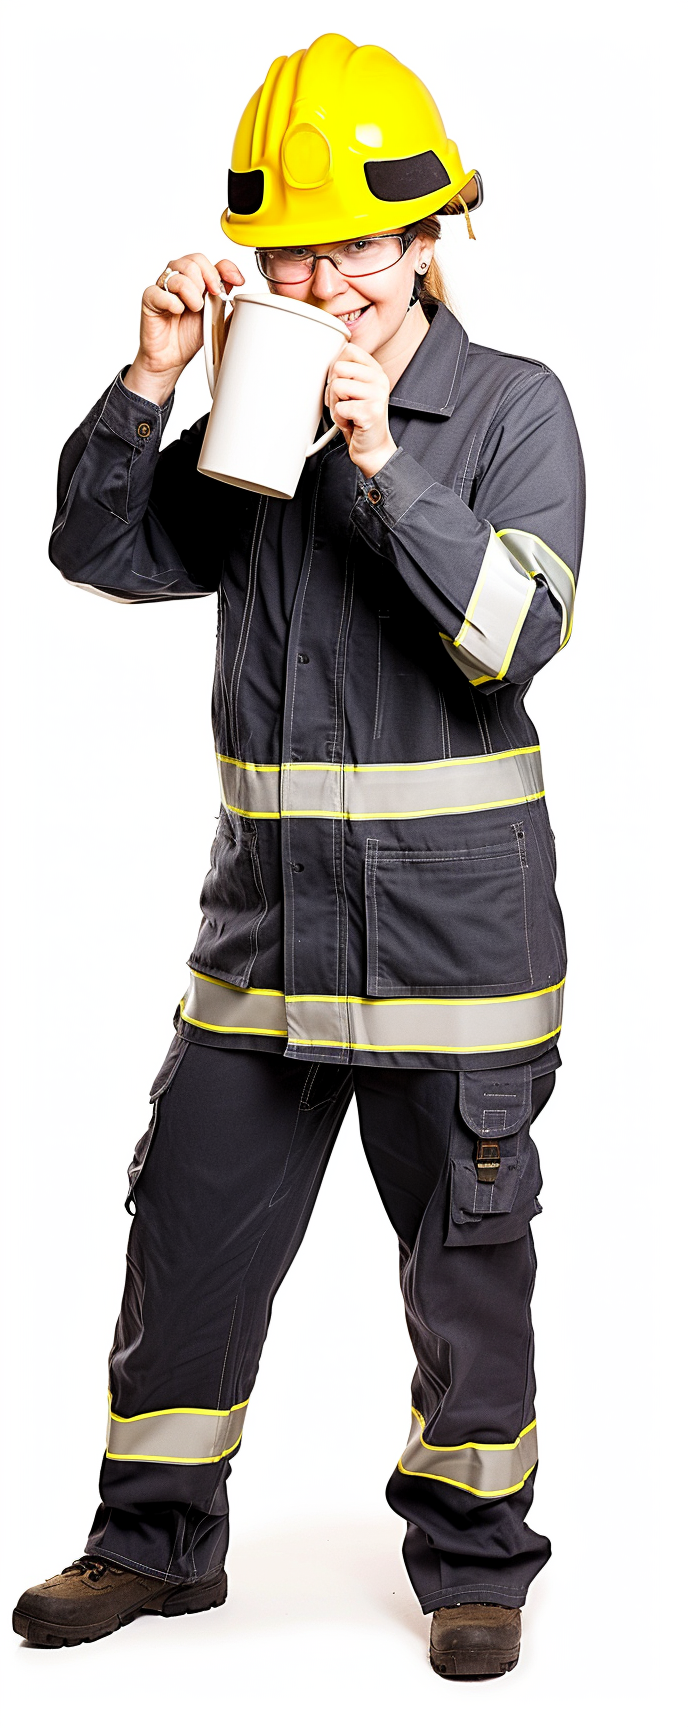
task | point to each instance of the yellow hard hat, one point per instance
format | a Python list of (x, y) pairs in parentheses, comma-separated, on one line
[(338, 142)]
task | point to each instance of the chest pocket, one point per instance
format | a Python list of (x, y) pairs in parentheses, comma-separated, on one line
[(233, 903), (493, 1200)]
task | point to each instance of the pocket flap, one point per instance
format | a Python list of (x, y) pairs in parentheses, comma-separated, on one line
[(496, 1101), (471, 1198)]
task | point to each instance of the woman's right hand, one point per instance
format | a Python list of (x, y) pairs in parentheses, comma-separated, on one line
[(172, 322)]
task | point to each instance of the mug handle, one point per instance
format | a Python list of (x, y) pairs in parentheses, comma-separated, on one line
[(321, 442), (215, 332)]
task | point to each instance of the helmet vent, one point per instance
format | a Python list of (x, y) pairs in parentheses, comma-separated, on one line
[(407, 177), (245, 191)]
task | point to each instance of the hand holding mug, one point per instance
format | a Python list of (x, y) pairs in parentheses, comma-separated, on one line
[(172, 321), (357, 396)]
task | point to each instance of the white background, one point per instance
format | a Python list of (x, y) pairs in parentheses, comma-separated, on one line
[(118, 126)]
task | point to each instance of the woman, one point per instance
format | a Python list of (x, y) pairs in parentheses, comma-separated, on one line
[(380, 917)]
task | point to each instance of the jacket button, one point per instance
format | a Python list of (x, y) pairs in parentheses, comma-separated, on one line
[(297, 866), (374, 497), (318, 545), (144, 430), (303, 659)]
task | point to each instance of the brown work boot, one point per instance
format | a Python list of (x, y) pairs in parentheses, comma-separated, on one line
[(477, 1641), (93, 1597)]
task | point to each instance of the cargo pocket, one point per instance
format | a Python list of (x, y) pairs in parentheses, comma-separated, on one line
[(494, 1174), (233, 903), (449, 922), (162, 1082)]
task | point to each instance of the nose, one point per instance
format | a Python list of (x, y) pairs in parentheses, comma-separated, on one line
[(326, 280)]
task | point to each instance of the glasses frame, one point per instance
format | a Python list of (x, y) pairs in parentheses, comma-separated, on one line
[(406, 237)]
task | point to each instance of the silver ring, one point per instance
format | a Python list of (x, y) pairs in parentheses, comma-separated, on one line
[(163, 280)]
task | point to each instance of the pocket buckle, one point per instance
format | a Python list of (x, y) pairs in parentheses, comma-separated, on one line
[(487, 1160)]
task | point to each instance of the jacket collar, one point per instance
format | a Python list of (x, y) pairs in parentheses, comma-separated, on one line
[(432, 380)]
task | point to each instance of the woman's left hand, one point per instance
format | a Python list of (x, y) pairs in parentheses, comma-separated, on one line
[(357, 395)]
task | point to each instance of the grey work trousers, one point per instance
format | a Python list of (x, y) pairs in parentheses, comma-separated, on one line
[(224, 1183)]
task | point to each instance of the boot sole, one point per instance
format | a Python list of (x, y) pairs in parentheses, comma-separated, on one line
[(473, 1664), (182, 1599)]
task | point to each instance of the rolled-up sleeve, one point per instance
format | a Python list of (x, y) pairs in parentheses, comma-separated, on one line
[(134, 524), (498, 577)]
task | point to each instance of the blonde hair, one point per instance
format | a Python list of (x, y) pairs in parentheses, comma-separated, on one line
[(430, 228)]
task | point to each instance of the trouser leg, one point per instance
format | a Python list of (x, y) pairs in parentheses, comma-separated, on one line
[(239, 1148), (465, 1480)]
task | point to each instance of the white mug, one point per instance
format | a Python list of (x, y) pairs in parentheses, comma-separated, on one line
[(266, 370)]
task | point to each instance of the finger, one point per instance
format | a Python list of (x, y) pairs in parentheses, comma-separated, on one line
[(354, 413), (342, 389), (196, 265), (349, 368), (157, 299), (184, 288), (190, 266), (229, 272), (356, 353)]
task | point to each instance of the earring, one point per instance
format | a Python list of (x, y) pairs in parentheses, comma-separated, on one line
[(424, 268)]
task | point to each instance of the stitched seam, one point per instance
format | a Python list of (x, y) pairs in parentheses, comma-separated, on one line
[(444, 717), (468, 458), (520, 387), (306, 580), (61, 520), (456, 368), (392, 525), (521, 841), (260, 888), (153, 1571), (246, 620), (351, 549)]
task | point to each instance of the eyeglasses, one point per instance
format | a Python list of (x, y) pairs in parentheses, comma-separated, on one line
[(366, 257)]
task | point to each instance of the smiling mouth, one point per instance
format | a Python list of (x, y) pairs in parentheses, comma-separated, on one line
[(353, 317)]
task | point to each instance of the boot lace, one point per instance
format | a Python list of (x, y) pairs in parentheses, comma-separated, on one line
[(96, 1569)]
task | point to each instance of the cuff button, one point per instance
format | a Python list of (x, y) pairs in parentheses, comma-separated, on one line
[(374, 497), (144, 430)]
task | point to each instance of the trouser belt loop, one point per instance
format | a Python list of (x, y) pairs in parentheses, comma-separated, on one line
[(487, 1159)]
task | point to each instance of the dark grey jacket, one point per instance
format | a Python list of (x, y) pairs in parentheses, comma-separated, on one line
[(381, 887)]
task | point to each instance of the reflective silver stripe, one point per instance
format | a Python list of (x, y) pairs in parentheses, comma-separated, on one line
[(366, 792), (378, 791), (176, 1436), (477, 1467), (452, 1024), (455, 1024), (496, 611), (220, 1007), (539, 560), (250, 788)]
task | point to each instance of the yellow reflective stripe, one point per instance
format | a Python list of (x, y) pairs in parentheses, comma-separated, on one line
[(479, 1467), (182, 1434), (446, 1025), (363, 791), (540, 560), (214, 1006), (496, 610), (243, 790), (453, 1025), (494, 619)]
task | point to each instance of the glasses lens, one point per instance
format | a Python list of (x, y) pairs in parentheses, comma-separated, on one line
[(286, 264), (365, 257), (291, 264)]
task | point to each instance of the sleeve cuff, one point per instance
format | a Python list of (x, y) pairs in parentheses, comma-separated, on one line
[(134, 419), (391, 492)]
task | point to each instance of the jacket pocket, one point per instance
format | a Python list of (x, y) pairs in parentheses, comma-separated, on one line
[(439, 923), (233, 903), (494, 1169), (162, 1082)]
